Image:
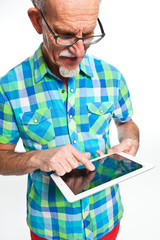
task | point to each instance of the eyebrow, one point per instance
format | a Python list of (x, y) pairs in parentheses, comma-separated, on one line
[(65, 32)]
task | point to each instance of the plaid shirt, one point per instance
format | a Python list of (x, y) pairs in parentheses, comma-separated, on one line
[(35, 107)]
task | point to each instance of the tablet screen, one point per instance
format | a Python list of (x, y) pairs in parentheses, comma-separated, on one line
[(106, 169)]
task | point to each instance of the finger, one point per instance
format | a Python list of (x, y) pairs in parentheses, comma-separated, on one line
[(65, 158), (66, 165), (134, 145), (100, 153), (87, 155), (129, 146), (59, 170), (72, 155), (72, 161), (61, 167), (86, 162), (112, 150), (132, 151), (81, 157), (118, 148)]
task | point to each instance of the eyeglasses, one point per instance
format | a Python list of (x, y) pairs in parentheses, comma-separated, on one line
[(70, 40)]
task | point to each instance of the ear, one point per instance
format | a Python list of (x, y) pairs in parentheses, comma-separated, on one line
[(36, 19)]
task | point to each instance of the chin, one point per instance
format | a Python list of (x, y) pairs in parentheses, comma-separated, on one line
[(67, 73)]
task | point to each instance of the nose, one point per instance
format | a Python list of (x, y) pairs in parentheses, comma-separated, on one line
[(77, 49)]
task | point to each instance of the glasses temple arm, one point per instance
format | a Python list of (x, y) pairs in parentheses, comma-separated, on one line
[(101, 27)]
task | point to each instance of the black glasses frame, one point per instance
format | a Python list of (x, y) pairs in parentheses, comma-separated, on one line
[(76, 38)]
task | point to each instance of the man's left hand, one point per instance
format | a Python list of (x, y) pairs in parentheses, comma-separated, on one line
[(129, 146)]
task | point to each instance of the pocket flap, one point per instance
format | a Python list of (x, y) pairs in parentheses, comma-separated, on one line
[(100, 108), (33, 118)]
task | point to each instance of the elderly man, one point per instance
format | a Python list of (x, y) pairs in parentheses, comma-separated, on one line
[(60, 103)]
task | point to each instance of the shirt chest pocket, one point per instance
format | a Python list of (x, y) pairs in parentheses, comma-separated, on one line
[(38, 125), (99, 114)]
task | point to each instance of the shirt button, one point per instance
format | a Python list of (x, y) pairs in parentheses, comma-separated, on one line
[(70, 116), (74, 141), (35, 120), (71, 90), (63, 91)]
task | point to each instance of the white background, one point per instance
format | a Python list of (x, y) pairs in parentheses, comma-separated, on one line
[(132, 44)]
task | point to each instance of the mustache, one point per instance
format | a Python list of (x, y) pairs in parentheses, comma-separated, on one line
[(66, 53)]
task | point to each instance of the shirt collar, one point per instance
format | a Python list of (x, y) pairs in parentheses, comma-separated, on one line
[(86, 66), (41, 68)]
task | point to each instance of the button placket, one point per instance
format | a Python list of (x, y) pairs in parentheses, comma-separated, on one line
[(71, 113), (87, 221)]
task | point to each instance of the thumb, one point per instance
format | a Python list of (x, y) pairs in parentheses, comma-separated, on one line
[(100, 153), (117, 148)]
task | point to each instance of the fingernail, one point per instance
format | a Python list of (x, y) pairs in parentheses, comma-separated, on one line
[(92, 167)]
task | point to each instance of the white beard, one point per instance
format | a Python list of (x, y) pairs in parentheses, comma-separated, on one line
[(65, 72)]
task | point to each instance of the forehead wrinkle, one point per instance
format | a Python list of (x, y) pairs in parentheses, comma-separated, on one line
[(58, 7), (70, 11), (77, 14), (74, 23), (73, 15), (65, 6), (72, 27)]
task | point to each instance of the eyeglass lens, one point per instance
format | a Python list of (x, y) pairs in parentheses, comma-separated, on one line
[(71, 40)]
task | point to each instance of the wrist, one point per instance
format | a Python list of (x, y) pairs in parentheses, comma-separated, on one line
[(32, 162)]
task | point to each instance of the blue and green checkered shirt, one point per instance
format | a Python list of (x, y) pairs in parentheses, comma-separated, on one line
[(35, 106)]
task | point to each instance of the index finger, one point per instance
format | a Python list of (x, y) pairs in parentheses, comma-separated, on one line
[(81, 157)]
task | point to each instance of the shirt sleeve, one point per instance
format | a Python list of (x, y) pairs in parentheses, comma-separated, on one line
[(9, 133), (123, 109)]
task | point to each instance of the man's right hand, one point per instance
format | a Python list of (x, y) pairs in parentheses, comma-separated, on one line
[(61, 159)]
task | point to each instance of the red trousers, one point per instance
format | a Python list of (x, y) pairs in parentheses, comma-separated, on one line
[(110, 236)]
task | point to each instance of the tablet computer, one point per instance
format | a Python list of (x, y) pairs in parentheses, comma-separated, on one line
[(109, 170)]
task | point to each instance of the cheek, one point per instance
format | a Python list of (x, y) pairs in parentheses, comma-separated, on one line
[(50, 47), (46, 40)]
